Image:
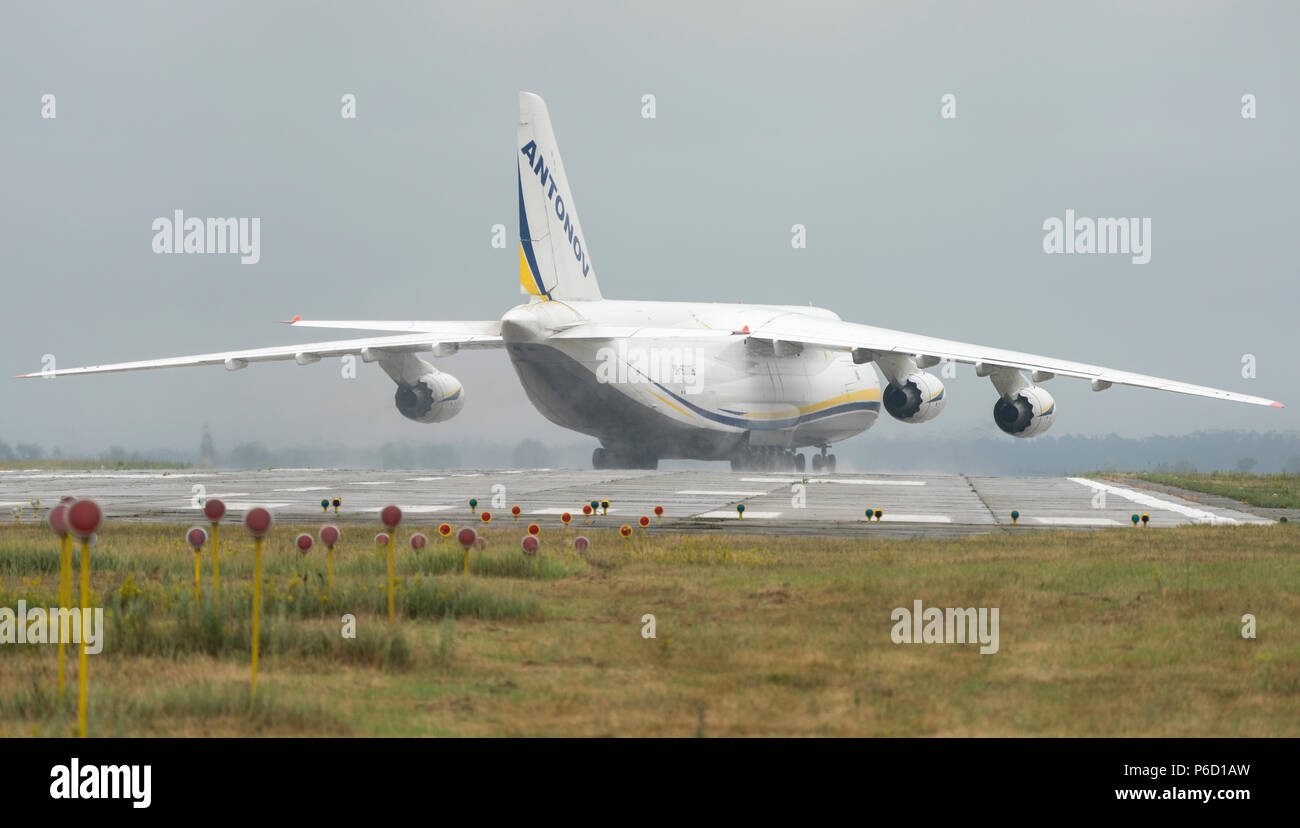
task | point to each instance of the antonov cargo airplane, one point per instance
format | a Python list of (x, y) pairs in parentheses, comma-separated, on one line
[(652, 380)]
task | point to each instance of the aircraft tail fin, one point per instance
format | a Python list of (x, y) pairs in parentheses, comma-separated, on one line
[(554, 261)]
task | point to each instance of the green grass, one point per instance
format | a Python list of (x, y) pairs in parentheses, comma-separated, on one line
[(1118, 632), (1279, 491)]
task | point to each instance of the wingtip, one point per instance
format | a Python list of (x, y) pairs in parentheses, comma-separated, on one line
[(291, 321), (1276, 405)]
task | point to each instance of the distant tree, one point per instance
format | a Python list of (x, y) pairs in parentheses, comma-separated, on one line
[(6, 453), (438, 456), (250, 456), (1184, 467), (1245, 464), (1292, 466), (30, 451), (531, 454)]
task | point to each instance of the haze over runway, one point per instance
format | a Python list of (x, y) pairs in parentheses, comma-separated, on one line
[(693, 501)]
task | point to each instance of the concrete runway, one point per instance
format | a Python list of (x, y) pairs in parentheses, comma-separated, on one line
[(931, 505)]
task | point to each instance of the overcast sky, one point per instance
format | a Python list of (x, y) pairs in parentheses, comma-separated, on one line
[(767, 116)]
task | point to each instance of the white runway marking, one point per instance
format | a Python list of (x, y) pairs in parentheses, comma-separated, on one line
[(245, 506), (424, 479), (849, 481), (372, 482), (890, 518), (1075, 521), (303, 489), (1144, 499), (725, 513), (715, 492), (577, 513)]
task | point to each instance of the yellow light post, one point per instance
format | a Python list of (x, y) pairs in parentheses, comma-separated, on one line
[(391, 517), (84, 519), (214, 510), (329, 535), (196, 537), (258, 522)]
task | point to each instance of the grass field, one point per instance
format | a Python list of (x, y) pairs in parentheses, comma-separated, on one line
[(1279, 491), (84, 465), (1126, 632)]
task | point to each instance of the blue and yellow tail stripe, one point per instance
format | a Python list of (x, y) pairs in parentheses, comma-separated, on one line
[(530, 277)]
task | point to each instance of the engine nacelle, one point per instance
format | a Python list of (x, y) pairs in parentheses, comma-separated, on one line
[(917, 399), (433, 398), (1027, 414)]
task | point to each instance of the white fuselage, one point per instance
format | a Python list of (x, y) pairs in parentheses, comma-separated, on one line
[(697, 388)]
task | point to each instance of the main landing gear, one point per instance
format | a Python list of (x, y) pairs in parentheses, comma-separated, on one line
[(769, 459), (824, 462)]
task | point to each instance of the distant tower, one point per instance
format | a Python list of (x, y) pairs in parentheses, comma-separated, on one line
[(205, 449)]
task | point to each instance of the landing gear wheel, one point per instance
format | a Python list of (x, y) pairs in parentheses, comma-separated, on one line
[(800, 462), (817, 462), (599, 458), (830, 464)]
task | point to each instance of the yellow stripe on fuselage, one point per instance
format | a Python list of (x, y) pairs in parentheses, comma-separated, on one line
[(671, 404), (853, 396)]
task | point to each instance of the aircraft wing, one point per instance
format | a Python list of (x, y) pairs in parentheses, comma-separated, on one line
[(868, 340), (368, 348), (465, 332)]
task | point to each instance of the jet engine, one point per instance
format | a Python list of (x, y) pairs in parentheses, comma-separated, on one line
[(918, 398), (433, 398), (1025, 413)]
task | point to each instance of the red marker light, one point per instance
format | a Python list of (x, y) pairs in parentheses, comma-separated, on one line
[(418, 541), (586, 509), (565, 518), (214, 510), (486, 517), (58, 518), (625, 530), (84, 518), (444, 530), (530, 544), (196, 537), (304, 543), (391, 517), (258, 521), (580, 543), (515, 510), (659, 511), (381, 539), (466, 537), (329, 535), (533, 529), (645, 521)]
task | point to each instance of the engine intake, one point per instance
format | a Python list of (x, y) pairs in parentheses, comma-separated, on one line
[(917, 399), (1028, 413), (434, 398)]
